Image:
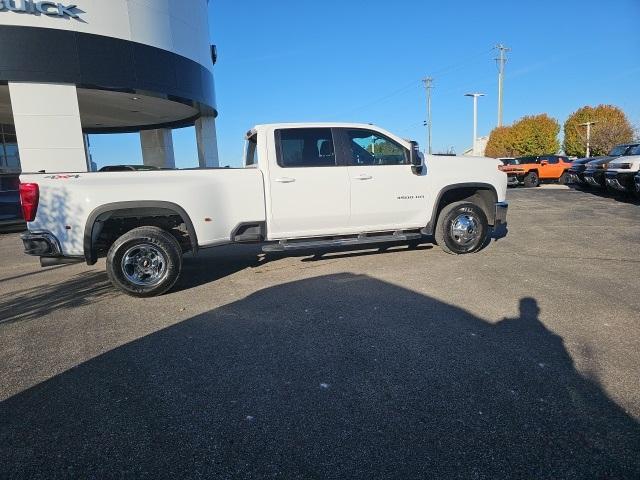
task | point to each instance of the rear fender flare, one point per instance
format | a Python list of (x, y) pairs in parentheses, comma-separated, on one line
[(90, 254)]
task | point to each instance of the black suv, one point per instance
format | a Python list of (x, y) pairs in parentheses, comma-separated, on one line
[(10, 209)]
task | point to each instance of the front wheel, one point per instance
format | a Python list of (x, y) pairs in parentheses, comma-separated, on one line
[(462, 227), (144, 262), (531, 180)]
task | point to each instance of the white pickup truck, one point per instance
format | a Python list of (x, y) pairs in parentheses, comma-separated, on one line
[(302, 186)]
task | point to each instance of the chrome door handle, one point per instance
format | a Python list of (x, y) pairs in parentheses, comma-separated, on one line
[(364, 176), (285, 180)]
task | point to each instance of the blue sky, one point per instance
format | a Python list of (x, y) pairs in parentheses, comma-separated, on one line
[(362, 61)]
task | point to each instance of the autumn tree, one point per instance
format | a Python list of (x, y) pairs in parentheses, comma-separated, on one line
[(612, 128), (500, 144), (531, 135), (536, 135)]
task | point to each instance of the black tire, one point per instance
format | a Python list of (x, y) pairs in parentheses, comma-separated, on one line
[(563, 178), (149, 247), (531, 180), (450, 216)]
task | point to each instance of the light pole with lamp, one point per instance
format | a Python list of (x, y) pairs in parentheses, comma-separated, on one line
[(475, 119), (588, 125)]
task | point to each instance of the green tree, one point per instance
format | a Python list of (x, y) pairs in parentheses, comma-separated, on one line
[(500, 143), (531, 135), (612, 128)]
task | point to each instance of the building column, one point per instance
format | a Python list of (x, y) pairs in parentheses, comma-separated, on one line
[(48, 127), (157, 148), (207, 142)]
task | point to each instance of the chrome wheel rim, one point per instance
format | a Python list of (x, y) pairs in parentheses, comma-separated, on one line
[(144, 265), (464, 229)]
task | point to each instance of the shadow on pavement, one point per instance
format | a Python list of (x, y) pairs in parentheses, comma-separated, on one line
[(340, 376), (621, 197), (33, 303)]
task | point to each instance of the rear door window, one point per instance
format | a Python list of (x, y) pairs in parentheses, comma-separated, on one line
[(305, 147)]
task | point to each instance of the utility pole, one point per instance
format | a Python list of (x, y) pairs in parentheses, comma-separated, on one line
[(588, 125), (428, 85), (501, 61), (475, 120)]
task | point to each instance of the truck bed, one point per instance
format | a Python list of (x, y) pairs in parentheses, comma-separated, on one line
[(67, 200)]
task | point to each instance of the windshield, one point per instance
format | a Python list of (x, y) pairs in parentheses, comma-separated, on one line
[(635, 150), (619, 150), (523, 160)]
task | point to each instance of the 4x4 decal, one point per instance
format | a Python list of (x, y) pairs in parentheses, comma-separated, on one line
[(61, 177)]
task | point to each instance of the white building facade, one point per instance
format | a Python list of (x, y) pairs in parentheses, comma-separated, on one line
[(101, 67)]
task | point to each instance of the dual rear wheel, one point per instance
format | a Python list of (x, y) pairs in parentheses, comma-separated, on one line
[(144, 262)]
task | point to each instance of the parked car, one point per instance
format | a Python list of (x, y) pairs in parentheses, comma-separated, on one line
[(303, 186), (512, 179), (10, 210), (575, 174), (621, 172), (531, 170), (594, 173), (127, 168)]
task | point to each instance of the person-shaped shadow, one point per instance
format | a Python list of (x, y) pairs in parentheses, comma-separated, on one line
[(337, 376)]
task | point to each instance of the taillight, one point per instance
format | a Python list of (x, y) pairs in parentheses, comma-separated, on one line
[(29, 198)]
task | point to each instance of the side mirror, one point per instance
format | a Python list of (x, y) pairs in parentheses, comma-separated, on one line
[(544, 162), (414, 154)]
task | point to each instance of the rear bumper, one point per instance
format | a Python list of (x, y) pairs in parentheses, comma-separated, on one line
[(9, 224), (41, 244), (501, 213), (46, 246), (622, 181)]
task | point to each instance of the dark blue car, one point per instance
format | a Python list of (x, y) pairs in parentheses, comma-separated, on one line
[(10, 210)]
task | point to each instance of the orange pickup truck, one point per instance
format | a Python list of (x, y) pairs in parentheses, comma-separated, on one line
[(530, 171)]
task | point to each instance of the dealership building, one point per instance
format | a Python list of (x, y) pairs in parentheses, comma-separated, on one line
[(69, 69)]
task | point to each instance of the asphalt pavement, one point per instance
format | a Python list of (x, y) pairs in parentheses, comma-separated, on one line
[(521, 361)]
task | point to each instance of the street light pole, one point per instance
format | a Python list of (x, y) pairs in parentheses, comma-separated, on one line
[(475, 120), (588, 125)]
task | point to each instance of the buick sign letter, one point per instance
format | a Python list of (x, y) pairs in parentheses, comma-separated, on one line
[(52, 9)]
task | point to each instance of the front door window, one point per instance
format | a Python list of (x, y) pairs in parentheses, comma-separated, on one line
[(370, 148)]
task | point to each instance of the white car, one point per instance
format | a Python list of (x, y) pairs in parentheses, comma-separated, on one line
[(302, 186), (621, 172)]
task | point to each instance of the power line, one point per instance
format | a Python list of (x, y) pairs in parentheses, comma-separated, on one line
[(443, 71), (461, 64), (413, 84)]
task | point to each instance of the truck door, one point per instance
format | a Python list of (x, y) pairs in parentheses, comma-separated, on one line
[(550, 167), (309, 191), (386, 194)]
